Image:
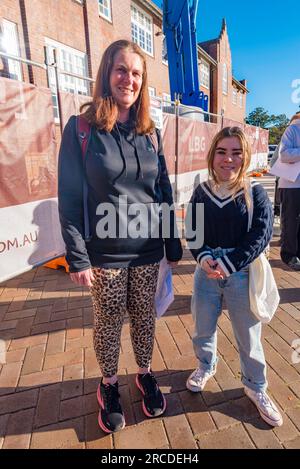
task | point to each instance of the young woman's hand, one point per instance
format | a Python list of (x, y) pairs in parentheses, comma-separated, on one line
[(212, 269), (84, 278)]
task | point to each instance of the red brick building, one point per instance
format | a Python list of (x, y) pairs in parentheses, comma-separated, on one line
[(80, 30)]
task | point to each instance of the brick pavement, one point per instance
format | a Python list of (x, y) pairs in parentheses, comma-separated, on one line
[(47, 386)]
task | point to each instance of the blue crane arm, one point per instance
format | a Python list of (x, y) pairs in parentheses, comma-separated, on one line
[(179, 25)]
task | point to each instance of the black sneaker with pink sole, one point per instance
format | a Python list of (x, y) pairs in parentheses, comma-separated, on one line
[(111, 418), (154, 402)]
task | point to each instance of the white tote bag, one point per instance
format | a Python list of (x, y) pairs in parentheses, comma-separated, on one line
[(164, 295), (263, 292)]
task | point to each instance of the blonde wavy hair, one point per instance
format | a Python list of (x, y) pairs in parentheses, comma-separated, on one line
[(102, 111), (241, 180)]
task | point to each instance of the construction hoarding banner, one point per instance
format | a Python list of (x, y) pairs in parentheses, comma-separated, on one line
[(30, 231), (28, 207)]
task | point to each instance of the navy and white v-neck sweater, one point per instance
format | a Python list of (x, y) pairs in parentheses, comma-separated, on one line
[(226, 224)]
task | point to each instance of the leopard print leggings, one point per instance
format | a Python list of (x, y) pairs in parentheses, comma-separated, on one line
[(114, 292)]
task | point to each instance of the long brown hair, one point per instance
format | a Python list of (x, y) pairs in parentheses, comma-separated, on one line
[(241, 179), (102, 111)]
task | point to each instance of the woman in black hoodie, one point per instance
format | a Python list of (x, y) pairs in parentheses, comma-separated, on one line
[(110, 212)]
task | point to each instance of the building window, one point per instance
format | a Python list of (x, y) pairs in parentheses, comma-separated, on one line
[(68, 60), (204, 74), (152, 91), (10, 44), (164, 51), (224, 79), (241, 99), (234, 95), (105, 9), (166, 99), (142, 29)]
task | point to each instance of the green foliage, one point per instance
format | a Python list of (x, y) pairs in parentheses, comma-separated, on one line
[(275, 124)]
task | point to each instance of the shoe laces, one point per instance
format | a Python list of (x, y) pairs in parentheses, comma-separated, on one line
[(111, 398), (264, 400), (149, 383), (199, 374)]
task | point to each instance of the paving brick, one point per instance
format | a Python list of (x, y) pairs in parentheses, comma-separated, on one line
[(232, 412), (23, 327), (41, 378), (25, 342), (15, 356), (47, 410), (18, 401), (48, 327), (43, 314), (94, 436), (150, 434), (287, 431), (3, 424), (34, 359), (63, 435), (66, 314), (74, 328), (280, 366), (9, 377), (262, 435), (279, 390), (56, 342), (72, 357), (293, 444), (71, 408), (19, 428), (72, 385), (234, 437), (179, 432), (24, 313), (294, 415)]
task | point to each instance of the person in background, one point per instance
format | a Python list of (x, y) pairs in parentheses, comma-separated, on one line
[(123, 169), (223, 266), (289, 152)]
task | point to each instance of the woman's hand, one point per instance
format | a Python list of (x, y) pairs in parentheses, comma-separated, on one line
[(84, 278), (213, 269)]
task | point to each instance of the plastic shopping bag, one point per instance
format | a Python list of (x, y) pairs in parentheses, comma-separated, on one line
[(164, 295)]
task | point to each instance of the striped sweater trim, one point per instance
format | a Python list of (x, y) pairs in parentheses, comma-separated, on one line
[(203, 254), (221, 263)]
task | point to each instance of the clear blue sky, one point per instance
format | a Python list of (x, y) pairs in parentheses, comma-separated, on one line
[(264, 37)]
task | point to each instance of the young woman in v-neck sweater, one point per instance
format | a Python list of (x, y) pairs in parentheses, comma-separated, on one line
[(222, 266)]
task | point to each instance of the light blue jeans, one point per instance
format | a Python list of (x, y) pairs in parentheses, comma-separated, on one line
[(206, 309)]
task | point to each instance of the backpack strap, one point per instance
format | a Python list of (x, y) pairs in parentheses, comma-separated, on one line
[(83, 130), (154, 140)]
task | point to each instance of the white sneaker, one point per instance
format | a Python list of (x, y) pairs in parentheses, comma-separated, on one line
[(198, 379), (265, 406)]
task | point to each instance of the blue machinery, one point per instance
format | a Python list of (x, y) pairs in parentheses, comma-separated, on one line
[(179, 25)]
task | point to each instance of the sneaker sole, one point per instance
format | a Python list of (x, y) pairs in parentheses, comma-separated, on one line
[(100, 421), (272, 423), (143, 404)]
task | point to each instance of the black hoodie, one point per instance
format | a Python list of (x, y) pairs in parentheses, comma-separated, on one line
[(121, 169)]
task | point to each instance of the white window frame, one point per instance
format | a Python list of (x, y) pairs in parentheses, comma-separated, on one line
[(152, 91), (103, 6), (224, 79), (142, 29), (66, 82), (204, 74), (241, 99), (234, 95), (11, 45), (166, 99)]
